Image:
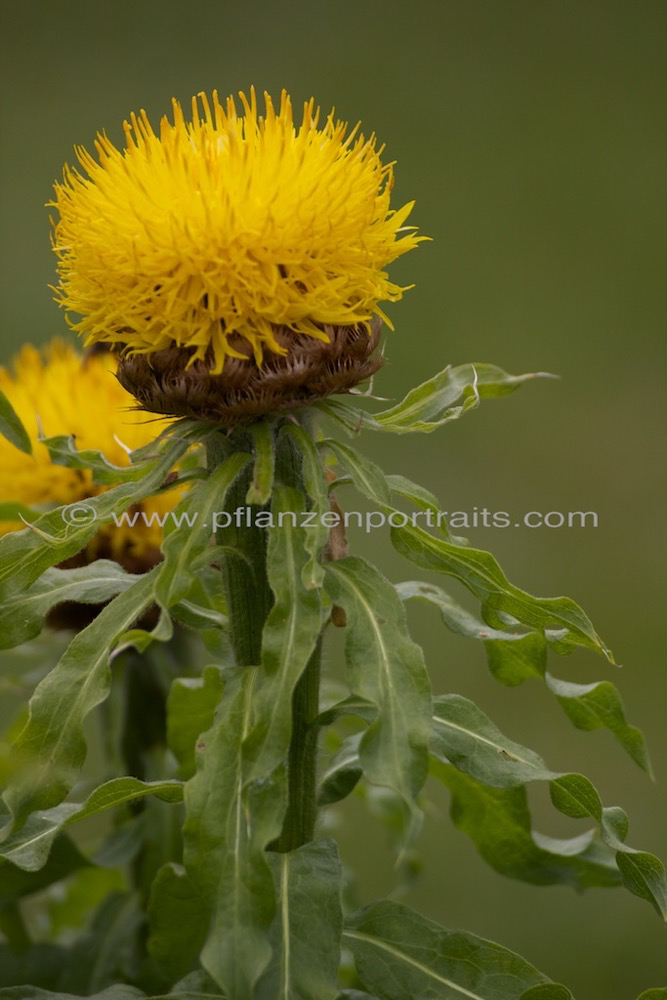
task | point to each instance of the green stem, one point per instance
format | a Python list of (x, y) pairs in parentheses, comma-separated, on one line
[(249, 601), (301, 815), (245, 582)]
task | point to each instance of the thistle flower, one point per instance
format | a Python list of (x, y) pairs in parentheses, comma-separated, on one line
[(56, 391), (228, 247)]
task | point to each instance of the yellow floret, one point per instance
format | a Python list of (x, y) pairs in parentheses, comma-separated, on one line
[(227, 225)]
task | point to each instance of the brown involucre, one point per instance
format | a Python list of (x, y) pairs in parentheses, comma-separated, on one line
[(309, 371)]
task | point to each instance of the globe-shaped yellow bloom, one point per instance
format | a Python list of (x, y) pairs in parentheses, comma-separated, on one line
[(56, 391), (220, 230)]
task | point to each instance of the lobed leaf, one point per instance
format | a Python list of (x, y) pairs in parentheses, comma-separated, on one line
[(484, 771), (479, 572), (386, 668), (400, 954), (515, 655), (498, 822)]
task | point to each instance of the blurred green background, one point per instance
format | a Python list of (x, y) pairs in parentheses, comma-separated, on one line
[(532, 136)]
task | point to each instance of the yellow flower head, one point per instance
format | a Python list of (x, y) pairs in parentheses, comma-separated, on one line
[(58, 392), (227, 225)]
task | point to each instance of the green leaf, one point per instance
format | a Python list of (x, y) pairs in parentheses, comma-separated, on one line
[(515, 656), (178, 921), (63, 451), (190, 712), (498, 822), (261, 484), (446, 396), (342, 774), (562, 621), (656, 993), (112, 993), (417, 494), (24, 555), (29, 847), (400, 954), (22, 615), (290, 633), (65, 859), (11, 426), (386, 668), (596, 706), (315, 486), (52, 746), (230, 820), (194, 519), (464, 736), (306, 933), (368, 477), (643, 874)]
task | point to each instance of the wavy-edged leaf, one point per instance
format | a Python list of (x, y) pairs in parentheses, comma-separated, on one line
[(417, 495), (515, 655), (177, 920), (306, 933), (445, 397), (368, 477), (399, 954), (315, 486), (464, 736), (24, 555), (11, 426), (289, 637), (191, 710), (643, 874), (598, 706), (230, 820), (386, 668), (22, 615), (194, 520), (29, 847), (259, 491), (62, 450), (52, 746), (562, 621), (498, 822), (484, 771)]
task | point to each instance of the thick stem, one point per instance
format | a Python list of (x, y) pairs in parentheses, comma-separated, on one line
[(299, 824), (249, 601), (247, 592)]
